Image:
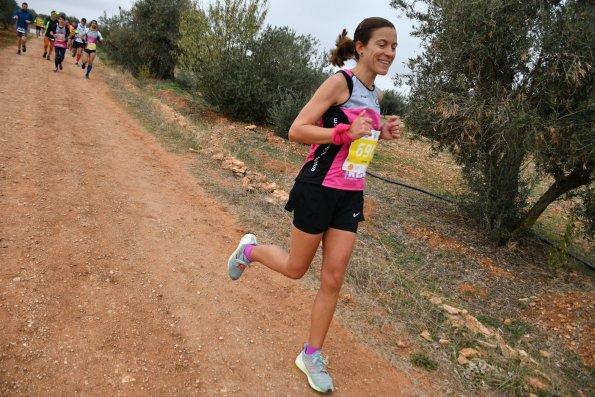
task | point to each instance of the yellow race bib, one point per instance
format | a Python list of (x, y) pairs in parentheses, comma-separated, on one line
[(361, 153)]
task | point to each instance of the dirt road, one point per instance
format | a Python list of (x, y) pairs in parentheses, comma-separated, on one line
[(112, 263)]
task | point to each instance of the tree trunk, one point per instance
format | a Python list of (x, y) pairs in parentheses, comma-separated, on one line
[(572, 181)]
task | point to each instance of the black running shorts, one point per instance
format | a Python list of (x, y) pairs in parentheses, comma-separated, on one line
[(317, 208)]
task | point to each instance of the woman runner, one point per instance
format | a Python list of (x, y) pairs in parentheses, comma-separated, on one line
[(59, 34), (327, 198), (92, 37)]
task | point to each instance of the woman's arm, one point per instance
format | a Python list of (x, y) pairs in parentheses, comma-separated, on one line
[(333, 91)]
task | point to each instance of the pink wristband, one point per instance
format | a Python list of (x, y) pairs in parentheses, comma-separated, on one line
[(341, 135)]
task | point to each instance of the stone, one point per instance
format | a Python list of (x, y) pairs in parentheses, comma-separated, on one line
[(450, 309), (268, 187), (238, 163), (545, 354), (238, 171), (507, 321), (227, 164), (507, 351), (401, 344), (462, 360), (476, 326), (537, 384), (426, 335), (456, 321), (217, 156), (444, 342), (487, 345), (281, 194), (251, 127), (436, 300), (469, 352), (128, 379)]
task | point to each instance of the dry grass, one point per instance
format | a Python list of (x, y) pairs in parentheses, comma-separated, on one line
[(410, 246)]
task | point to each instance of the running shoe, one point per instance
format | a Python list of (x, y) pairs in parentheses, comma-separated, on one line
[(76, 64), (314, 366), (48, 58), (44, 54), (238, 262), (87, 76), (60, 66), (18, 52), (83, 65), (55, 70), (24, 49)]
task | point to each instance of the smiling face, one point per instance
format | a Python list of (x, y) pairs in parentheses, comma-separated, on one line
[(380, 52)]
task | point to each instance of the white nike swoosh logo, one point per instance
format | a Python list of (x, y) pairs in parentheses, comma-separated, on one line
[(356, 214)]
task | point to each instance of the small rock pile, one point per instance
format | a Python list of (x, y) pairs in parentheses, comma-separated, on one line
[(252, 181)]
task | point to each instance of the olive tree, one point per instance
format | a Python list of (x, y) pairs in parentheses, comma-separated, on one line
[(502, 85)]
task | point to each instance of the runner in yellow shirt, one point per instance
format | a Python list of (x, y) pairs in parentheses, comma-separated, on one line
[(38, 26)]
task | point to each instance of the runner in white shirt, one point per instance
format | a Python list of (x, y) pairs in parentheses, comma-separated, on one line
[(79, 40), (92, 37)]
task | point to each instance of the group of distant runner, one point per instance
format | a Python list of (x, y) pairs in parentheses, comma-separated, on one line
[(59, 37)]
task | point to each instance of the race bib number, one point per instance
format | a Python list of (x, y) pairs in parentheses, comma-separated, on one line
[(91, 46), (361, 153), (60, 37), (21, 30)]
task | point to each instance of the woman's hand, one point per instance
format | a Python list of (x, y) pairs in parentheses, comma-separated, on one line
[(391, 129), (361, 126)]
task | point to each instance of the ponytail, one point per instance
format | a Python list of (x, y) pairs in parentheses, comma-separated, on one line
[(344, 49)]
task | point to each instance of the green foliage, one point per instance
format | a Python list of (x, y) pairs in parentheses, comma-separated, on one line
[(284, 111), (120, 40), (422, 360), (223, 31), (502, 83), (147, 35), (393, 103), (245, 73), (7, 10), (586, 212)]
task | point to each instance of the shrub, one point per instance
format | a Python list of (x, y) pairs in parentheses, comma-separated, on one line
[(393, 103), (278, 66), (422, 360), (284, 111), (7, 9), (147, 35)]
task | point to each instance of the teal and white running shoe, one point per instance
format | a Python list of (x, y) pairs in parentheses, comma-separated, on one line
[(314, 366), (238, 262)]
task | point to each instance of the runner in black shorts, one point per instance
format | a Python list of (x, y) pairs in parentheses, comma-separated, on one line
[(79, 40), (92, 37), (23, 18), (327, 198), (317, 208)]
